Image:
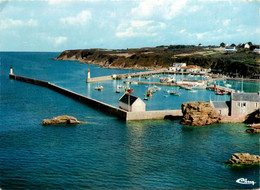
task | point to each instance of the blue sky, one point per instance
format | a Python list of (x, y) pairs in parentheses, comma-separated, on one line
[(57, 25)]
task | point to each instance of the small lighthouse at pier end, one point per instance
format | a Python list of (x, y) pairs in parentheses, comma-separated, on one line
[(88, 74)]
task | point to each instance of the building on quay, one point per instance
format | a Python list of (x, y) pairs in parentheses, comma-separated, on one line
[(131, 103), (243, 104), (221, 107), (240, 104)]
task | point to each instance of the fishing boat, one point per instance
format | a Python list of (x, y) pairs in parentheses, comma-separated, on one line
[(219, 93), (148, 93), (174, 93), (129, 90), (145, 98), (186, 87), (98, 87), (168, 80), (117, 91)]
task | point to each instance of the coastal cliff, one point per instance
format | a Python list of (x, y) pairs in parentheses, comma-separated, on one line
[(199, 114), (243, 62)]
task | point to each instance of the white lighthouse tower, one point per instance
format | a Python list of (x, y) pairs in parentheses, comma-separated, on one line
[(11, 70), (88, 74)]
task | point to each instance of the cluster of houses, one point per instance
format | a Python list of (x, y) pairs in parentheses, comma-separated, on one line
[(240, 104), (183, 68), (232, 49)]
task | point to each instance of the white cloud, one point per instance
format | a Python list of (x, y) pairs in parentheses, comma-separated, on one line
[(11, 23), (226, 22), (81, 19), (166, 9), (139, 28), (202, 35), (182, 31), (53, 2), (57, 40)]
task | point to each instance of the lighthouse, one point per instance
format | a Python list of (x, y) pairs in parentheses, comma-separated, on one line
[(11, 70), (88, 74)]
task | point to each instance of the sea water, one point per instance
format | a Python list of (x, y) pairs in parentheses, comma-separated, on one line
[(106, 152)]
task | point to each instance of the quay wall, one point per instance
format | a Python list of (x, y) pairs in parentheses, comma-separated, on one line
[(158, 114), (96, 79), (122, 114), (91, 102), (29, 80)]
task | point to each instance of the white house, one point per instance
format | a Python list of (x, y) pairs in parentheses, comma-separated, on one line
[(131, 103), (191, 69), (176, 66), (230, 49), (247, 46), (257, 50), (220, 107)]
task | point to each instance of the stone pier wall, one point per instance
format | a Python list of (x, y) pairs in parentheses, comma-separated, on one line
[(120, 113)]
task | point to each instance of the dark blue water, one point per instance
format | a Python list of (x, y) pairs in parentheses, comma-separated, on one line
[(105, 152)]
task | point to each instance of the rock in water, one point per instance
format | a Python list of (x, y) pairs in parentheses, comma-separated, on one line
[(64, 119), (199, 114), (243, 158), (253, 130)]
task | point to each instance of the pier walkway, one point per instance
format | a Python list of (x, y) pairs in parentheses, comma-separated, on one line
[(120, 113)]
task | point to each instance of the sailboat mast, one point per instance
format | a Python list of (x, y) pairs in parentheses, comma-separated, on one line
[(242, 84)]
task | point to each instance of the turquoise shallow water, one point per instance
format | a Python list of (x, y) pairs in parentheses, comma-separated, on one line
[(105, 152)]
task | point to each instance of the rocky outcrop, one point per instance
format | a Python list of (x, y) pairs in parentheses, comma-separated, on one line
[(244, 159), (254, 128), (199, 114), (64, 119)]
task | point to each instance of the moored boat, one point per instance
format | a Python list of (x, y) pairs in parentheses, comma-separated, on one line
[(174, 93)]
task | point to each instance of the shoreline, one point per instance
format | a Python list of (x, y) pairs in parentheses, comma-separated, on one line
[(82, 61)]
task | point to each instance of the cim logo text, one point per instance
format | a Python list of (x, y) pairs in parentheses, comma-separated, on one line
[(245, 181)]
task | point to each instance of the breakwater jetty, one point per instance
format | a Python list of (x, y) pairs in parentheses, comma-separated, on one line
[(109, 109)]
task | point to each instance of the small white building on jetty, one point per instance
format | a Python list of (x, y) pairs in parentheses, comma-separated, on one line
[(131, 103), (221, 107)]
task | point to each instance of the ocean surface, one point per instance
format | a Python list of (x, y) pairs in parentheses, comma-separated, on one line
[(106, 153)]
